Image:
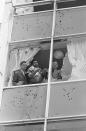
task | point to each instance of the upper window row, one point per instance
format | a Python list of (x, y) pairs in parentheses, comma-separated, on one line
[(40, 6), (39, 25)]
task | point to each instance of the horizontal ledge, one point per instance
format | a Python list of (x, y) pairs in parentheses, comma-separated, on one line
[(33, 3), (76, 35), (43, 2), (67, 118), (43, 84), (46, 11), (30, 40), (26, 43), (43, 45), (68, 81), (32, 13), (22, 122), (41, 120), (22, 86), (48, 38)]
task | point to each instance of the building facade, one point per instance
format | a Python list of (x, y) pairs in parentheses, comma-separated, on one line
[(49, 32)]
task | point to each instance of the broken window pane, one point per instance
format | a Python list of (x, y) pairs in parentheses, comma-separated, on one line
[(28, 65)]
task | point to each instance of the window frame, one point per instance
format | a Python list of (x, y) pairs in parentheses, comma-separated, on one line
[(46, 119)]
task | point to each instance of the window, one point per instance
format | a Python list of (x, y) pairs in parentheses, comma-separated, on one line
[(34, 53), (42, 7), (71, 3), (33, 6)]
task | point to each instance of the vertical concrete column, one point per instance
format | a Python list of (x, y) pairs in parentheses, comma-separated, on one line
[(5, 36), (2, 5)]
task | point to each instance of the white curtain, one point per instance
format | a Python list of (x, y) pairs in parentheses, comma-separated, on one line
[(18, 55), (26, 54), (77, 57), (66, 68)]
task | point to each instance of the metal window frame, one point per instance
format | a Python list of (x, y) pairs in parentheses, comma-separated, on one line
[(45, 11), (41, 120), (43, 2), (50, 69), (37, 3)]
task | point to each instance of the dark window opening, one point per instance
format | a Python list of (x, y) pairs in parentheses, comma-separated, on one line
[(43, 58), (71, 4), (34, 68), (42, 7)]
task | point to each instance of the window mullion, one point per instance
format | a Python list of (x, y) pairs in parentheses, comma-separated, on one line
[(50, 69)]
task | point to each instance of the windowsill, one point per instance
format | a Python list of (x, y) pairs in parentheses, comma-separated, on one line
[(29, 85), (44, 84)]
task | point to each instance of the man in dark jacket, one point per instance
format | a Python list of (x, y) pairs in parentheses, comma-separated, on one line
[(19, 76), (34, 73)]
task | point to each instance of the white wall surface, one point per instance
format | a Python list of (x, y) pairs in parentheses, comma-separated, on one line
[(5, 33)]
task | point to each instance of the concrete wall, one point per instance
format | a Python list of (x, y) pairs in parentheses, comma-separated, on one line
[(5, 35), (23, 103), (70, 21), (68, 99), (32, 26), (39, 25)]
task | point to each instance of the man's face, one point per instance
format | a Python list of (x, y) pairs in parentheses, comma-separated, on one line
[(23, 66), (55, 65), (35, 64)]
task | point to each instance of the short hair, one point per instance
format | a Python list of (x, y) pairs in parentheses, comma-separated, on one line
[(22, 62), (35, 61)]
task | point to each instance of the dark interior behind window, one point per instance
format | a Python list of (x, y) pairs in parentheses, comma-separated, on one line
[(42, 7), (71, 4)]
